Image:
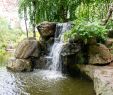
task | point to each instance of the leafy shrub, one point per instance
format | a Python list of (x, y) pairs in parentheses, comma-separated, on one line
[(86, 30)]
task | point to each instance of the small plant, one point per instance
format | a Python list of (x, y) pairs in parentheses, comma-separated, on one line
[(87, 30)]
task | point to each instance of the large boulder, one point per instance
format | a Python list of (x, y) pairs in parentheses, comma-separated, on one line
[(99, 54), (102, 77), (72, 54), (19, 65), (27, 48), (70, 48), (46, 29)]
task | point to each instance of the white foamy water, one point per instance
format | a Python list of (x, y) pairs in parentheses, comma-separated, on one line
[(56, 49), (52, 75), (55, 54)]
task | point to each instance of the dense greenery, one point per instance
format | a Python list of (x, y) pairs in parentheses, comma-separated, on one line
[(89, 19), (68, 10), (86, 13), (87, 30), (10, 37), (50, 10), (95, 10), (63, 10)]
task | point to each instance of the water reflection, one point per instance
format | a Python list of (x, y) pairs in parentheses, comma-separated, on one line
[(42, 82)]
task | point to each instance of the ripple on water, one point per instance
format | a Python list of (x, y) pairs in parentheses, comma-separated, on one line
[(42, 82), (50, 74)]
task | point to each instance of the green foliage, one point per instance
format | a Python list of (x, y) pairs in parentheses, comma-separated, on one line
[(87, 30), (49, 10), (90, 11), (109, 25), (63, 10), (95, 10), (8, 36)]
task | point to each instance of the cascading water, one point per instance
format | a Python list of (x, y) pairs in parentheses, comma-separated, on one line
[(56, 49)]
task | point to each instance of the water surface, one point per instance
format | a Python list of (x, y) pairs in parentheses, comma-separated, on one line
[(42, 82)]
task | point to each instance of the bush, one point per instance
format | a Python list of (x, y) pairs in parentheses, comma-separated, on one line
[(86, 30)]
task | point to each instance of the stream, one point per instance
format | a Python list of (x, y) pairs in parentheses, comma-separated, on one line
[(42, 82)]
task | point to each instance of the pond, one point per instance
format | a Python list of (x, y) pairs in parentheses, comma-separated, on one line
[(42, 82)]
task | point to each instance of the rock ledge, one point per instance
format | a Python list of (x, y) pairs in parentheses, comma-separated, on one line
[(102, 77)]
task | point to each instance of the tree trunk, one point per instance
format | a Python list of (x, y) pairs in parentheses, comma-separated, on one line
[(25, 18), (109, 14)]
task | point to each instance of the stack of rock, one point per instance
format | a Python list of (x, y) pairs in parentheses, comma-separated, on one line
[(47, 32), (26, 50), (30, 52)]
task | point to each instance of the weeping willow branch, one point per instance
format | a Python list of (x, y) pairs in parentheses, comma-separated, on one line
[(34, 16), (58, 10), (109, 14), (25, 19)]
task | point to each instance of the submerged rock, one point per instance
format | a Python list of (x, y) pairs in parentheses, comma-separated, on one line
[(28, 47), (19, 65), (46, 29), (99, 54)]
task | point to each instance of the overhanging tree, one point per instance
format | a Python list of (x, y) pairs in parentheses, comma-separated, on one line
[(61, 10), (50, 10)]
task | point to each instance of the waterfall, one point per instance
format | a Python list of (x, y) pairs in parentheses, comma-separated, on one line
[(56, 48)]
